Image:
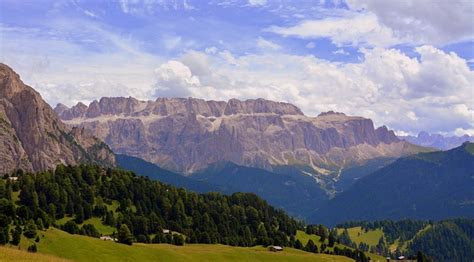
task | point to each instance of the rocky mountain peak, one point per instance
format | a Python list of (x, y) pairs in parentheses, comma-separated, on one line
[(32, 135), (331, 113), (188, 134)]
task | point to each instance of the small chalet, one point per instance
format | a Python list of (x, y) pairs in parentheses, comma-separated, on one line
[(108, 238), (275, 248)]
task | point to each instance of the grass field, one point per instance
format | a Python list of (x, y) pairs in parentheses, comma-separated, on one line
[(304, 238), (370, 237), (60, 244), (8, 254)]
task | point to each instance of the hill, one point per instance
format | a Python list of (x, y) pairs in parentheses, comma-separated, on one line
[(433, 185), (447, 240), (296, 193), (144, 168), (60, 244)]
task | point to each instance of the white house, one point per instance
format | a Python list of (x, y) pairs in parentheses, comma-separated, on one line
[(275, 248), (108, 238)]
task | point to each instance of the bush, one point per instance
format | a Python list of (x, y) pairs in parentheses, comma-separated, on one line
[(71, 227), (90, 230), (178, 240), (30, 229), (142, 238), (32, 248)]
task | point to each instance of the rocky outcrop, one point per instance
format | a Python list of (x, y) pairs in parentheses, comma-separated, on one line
[(33, 138), (186, 135)]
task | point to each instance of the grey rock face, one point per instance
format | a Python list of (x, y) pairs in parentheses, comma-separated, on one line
[(33, 138), (188, 134)]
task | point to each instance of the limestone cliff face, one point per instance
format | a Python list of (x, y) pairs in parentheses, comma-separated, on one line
[(33, 138), (186, 135)]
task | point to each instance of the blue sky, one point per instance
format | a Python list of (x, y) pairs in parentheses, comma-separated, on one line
[(404, 64)]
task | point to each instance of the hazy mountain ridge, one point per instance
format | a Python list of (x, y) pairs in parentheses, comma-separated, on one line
[(34, 138), (434, 185), (187, 134), (437, 141)]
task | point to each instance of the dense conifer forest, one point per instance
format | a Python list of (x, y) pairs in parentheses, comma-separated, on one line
[(447, 240), (146, 207)]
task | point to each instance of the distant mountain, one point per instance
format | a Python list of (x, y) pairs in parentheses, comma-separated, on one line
[(433, 185), (33, 138), (437, 141), (187, 135), (144, 168)]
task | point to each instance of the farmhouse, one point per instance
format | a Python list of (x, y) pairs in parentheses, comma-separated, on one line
[(275, 248), (108, 238)]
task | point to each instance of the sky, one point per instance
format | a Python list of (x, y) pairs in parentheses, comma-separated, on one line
[(406, 64)]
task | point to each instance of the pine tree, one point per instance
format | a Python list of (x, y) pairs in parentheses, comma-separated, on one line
[(124, 235), (16, 235), (311, 247), (298, 244)]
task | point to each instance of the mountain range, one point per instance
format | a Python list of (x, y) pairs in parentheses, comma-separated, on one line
[(32, 136), (328, 168), (187, 135), (437, 141)]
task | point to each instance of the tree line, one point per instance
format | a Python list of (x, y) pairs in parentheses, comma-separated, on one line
[(145, 209)]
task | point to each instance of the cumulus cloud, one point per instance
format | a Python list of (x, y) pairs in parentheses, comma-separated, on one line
[(387, 86), (174, 79), (423, 21)]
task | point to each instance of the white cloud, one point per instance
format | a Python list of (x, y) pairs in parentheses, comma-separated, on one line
[(462, 132), (388, 23), (171, 42), (211, 50), (423, 21), (355, 29), (266, 44), (174, 79), (310, 45), (257, 2), (387, 86), (340, 51)]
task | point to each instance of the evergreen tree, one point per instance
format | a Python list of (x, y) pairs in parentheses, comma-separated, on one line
[(16, 235), (311, 247), (30, 229), (124, 235)]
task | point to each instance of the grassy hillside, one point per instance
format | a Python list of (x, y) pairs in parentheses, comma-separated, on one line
[(8, 254), (80, 248), (371, 237), (304, 238)]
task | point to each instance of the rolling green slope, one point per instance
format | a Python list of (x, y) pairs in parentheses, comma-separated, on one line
[(80, 248)]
